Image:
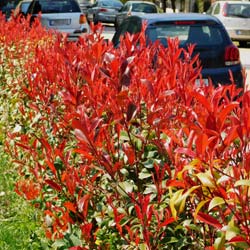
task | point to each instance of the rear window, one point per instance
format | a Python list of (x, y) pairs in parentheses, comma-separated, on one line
[(111, 4), (142, 7), (201, 35), (55, 6), (238, 10)]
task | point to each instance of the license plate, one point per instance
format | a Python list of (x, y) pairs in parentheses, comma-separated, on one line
[(203, 81), (58, 22), (243, 32)]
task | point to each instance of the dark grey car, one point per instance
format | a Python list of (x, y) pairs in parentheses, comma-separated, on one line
[(104, 11), (133, 7)]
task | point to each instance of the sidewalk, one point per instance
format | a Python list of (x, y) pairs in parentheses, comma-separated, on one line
[(248, 79)]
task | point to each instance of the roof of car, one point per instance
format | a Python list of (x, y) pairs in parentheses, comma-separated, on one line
[(232, 2), (177, 17), (137, 1)]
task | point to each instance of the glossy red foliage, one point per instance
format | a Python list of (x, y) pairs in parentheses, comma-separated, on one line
[(127, 136)]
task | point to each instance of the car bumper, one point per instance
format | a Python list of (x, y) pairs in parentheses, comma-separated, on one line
[(106, 18), (239, 35), (222, 75)]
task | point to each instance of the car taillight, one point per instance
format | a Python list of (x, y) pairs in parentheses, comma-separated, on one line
[(82, 19), (232, 55), (224, 9), (103, 10), (184, 22)]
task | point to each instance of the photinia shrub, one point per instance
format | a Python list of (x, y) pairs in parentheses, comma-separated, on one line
[(121, 148)]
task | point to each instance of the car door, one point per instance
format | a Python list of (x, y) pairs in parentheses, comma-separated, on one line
[(131, 24), (123, 13), (92, 10)]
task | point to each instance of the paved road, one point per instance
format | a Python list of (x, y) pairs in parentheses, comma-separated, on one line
[(244, 52), (245, 59)]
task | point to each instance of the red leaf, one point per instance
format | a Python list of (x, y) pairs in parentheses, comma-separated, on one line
[(130, 153), (167, 221), (224, 113), (83, 204), (77, 248), (231, 135), (209, 220), (54, 185), (175, 183), (70, 206), (131, 111), (201, 143), (203, 100), (51, 166), (237, 239), (185, 151)]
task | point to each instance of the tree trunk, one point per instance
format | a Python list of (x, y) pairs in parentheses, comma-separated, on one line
[(173, 5), (164, 5)]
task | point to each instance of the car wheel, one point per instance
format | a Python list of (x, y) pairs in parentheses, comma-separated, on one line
[(243, 43)]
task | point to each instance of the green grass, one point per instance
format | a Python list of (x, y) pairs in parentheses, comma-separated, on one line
[(19, 222)]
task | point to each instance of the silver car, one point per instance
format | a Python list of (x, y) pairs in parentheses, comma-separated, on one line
[(22, 8), (134, 7), (104, 11), (64, 16), (235, 16)]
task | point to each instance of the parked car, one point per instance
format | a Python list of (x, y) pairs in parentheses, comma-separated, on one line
[(84, 5), (7, 8), (217, 53), (133, 7), (22, 8), (104, 11), (235, 15), (64, 16)]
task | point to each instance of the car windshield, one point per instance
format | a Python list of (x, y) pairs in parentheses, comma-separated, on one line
[(201, 35), (111, 4), (238, 10), (142, 7), (55, 6), (24, 7)]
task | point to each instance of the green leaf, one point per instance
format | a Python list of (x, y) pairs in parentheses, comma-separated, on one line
[(58, 243), (206, 179), (219, 242), (242, 183), (216, 201), (231, 230), (143, 246), (75, 240), (198, 207), (150, 189), (125, 187), (144, 174)]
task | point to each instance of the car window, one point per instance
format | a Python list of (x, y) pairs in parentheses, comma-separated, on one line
[(24, 7), (201, 35), (126, 7), (238, 10), (142, 7), (55, 6), (111, 3), (217, 9)]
